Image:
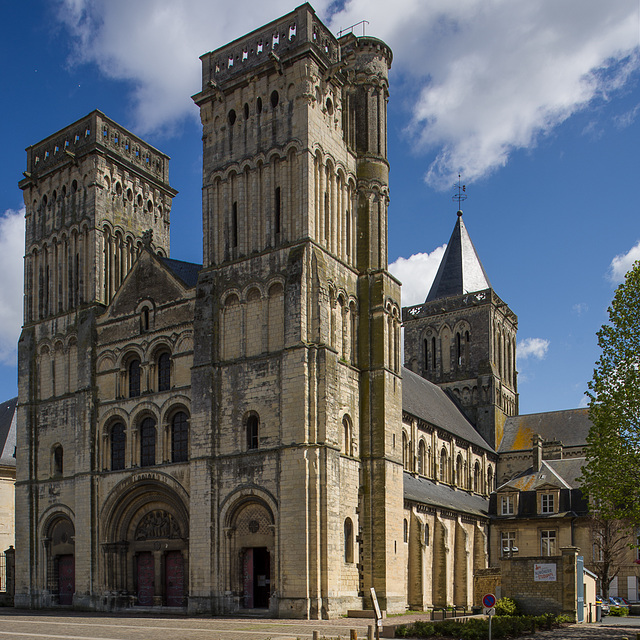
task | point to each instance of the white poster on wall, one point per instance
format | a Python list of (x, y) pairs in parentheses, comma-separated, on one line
[(544, 572)]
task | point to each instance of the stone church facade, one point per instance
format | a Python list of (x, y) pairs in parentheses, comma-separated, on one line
[(239, 435)]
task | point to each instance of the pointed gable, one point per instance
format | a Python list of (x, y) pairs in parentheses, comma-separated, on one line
[(155, 278), (460, 270)]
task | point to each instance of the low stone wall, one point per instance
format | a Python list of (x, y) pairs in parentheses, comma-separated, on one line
[(486, 581), (545, 584)]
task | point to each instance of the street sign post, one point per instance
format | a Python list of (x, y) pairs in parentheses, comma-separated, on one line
[(489, 603), (376, 610)]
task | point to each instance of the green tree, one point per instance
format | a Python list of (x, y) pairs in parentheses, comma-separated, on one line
[(611, 477)]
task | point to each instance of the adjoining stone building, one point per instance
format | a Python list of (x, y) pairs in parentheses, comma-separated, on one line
[(8, 425), (239, 435)]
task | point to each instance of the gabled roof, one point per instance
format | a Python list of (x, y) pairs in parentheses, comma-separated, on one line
[(429, 402), (570, 427), (186, 271), (8, 432), (561, 474), (443, 496), (162, 279), (460, 270)]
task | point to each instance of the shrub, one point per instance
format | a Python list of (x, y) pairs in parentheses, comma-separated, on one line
[(507, 607), (619, 611), (478, 629)]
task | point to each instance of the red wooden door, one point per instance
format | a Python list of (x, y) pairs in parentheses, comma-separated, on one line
[(66, 579), (247, 578), (174, 579), (146, 579)]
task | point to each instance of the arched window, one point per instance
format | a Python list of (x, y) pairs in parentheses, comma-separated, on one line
[(459, 472), (147, 442), (422, 458), (118, 443), (134, 378), (58, 460), (476, 478), (144, 320), (443, 465), (253, 427), (406, 530), (426, 534), (164, 372), (348, 540), (405, 451), (347, 436), (180, 437), (489, 479)]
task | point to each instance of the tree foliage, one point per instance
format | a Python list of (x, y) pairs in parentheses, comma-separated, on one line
[(612, 474)]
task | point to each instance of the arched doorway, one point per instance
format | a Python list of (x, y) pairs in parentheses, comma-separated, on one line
[(251, 555), (147, 553), (60, 550)]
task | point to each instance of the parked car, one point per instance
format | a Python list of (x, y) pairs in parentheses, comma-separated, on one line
[(604, 606), (615, 602)]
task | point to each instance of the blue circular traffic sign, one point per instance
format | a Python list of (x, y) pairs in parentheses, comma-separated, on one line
[(489, 600)]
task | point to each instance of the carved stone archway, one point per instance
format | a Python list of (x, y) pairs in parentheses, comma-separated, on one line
[(146, 548)]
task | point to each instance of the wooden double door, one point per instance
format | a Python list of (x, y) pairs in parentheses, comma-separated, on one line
[(172, 583)]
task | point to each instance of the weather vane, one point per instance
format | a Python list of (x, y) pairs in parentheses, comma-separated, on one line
[(460, 195)]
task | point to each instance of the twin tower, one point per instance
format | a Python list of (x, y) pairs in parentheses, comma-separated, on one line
[(224, 436)]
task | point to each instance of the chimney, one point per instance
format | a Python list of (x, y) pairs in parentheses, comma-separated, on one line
[(536, 451)]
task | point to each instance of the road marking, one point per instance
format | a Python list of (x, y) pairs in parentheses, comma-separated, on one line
[(48, 635), (270, 634)]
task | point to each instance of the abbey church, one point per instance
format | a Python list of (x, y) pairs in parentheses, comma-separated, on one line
[(239, 435)]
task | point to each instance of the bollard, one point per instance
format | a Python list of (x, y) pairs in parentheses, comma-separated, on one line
[(354, 634), (315, 635), (370, 632)]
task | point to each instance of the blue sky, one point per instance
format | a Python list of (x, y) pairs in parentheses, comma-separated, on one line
[(536, 104)]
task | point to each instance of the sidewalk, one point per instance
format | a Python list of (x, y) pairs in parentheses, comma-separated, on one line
[(594, 631)]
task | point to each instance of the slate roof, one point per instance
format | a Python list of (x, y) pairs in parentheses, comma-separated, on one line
[(460, 270), (186, 271), (441, 495), (558, 473), (569, 427), (8, 432), (427, 401)]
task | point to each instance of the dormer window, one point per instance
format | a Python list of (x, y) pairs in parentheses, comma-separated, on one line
[(507, 505), (547, 504)]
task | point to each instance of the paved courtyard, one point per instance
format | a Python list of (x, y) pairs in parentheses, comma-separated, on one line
[(88, 626)]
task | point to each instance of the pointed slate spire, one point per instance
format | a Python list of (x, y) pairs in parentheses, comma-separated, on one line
[(460, 270)]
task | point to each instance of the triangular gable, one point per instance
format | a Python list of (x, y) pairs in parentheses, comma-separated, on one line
[(148, 279)]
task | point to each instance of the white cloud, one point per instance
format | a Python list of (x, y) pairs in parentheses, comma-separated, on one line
[(532, 348), (580, 307), (11, 254), (156, 44), (495, 76), (417, 274), (626, 119), (623, 263), (479, 79)]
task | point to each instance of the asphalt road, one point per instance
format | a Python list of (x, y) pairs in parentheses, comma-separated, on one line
[(74, 626), (26, 625)]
